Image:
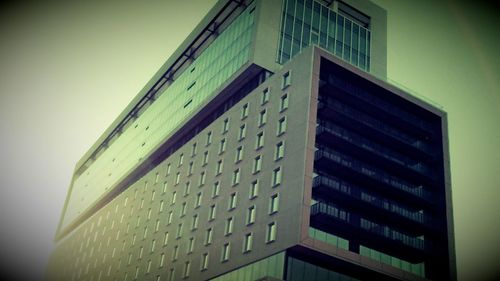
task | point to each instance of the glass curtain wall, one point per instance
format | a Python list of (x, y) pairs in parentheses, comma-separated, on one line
[(306, 22), (183, 97)]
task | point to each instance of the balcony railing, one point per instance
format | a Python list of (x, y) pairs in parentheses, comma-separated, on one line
[(373, 173), (377, 149), (358, 193), (367, 225)]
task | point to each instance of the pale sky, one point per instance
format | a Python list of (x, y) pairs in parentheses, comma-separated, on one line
[(67, 70)]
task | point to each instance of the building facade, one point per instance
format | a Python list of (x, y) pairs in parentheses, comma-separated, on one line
[(268, 146)]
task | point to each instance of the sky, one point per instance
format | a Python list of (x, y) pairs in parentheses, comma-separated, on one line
[(67, 69)]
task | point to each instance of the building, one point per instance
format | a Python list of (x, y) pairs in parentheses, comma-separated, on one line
[(269, 147)]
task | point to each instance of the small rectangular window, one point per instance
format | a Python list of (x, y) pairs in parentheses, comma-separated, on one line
[(168, 169), (175, 253), (281, 126), (259, 141), (232, 201), (229, 226), (273, 204), (251, 215), (208, 236), (211, 213), (257, 164), (247, 243), (283, 102), (222, 146), (254, 189), (280, 150), (239, 154), (174, 197), (286, 80), (202, 178), (218, 169), (271, 232), (183, 209), (262, 117), (244, 111), (179, 231), (165, 187), (242, 132), (194, 224), (265, 96), (190, 168), (181, 159), (277, 176), (225, 125), (177, 178), (216, 189), (190, 246), (187, 188), (193, 150), (225, 252), (205, 158), (209, 138), (204, 261), (236, 177), (187, 267), (169, 217), (198, 200)]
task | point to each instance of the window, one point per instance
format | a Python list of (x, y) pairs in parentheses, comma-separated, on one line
[(229, 226), (244, 111), (172, 275), (222, 146), (177, 178), (208, 236), (153, 245), (205, 158), (174, 197), (259, 141), (225, 252), (165, 187), (160, 209), (257, 164), (193, 150), (165, 239), (242, 132), (280, 150), (175, 253), (254, 189), (225, 125), (198, 199), (162, 260), (281, 126), (157, 177), (169, 217), (202, 178), (194, 225), (211, 213), (265, 96), (187, 267), (153, 193), (218, 169), (232, 201), (209, 138), (204, 261), (277, 176), (286, 80), (190, 246), (190, 168), (283, 102), (262, 117), (179, 231), (157, 225), (168, 169), (251, 215), (247, 243), (273, 204), (216, 189), (187, 187), (271, 232), (239, 154), (183, 209), (181, 159), (236, 177)]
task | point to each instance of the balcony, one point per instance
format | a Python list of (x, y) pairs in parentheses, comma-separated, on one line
[(335, 220), (374, 129), (338, 137), (358, 172)]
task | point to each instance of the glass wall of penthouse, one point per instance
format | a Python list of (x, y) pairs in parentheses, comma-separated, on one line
[(379, 187), (344, 34)]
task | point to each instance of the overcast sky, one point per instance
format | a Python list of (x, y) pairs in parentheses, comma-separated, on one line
[(67, 70)]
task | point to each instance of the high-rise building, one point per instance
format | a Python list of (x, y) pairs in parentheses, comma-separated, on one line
[(268, 147)]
